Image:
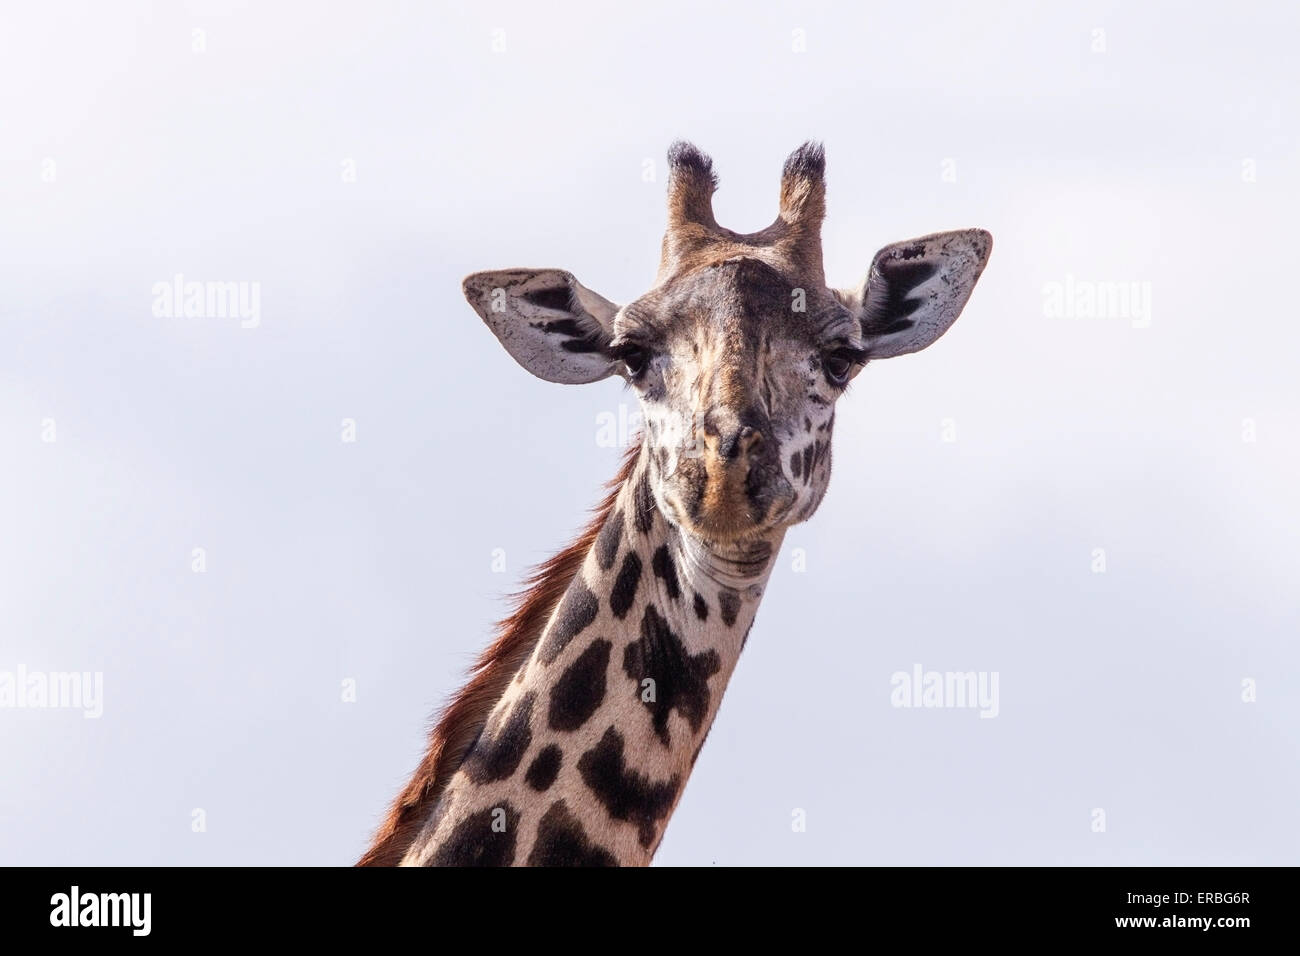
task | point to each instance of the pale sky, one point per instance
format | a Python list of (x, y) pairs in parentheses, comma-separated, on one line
[(355, 161)]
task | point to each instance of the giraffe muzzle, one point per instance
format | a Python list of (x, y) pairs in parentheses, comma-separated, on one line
[(731, 486)]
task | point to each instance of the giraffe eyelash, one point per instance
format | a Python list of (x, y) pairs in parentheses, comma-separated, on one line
[(621, 350), (855, 355)]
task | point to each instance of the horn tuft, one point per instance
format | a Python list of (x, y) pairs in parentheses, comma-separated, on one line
[(691, 184), (803, 187)]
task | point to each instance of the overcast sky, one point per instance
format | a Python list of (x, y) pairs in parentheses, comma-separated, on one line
[(1098, 505)]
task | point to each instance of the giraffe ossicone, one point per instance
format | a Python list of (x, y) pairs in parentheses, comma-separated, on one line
[(575, 735)]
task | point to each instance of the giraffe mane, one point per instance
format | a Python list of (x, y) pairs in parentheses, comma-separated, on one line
[(459, 723)]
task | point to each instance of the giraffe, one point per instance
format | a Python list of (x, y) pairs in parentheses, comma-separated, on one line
[(572, 741)]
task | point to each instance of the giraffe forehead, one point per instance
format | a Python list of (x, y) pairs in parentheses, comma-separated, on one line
[(734, 305)]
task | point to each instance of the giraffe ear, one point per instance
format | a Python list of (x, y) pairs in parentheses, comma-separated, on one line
[(916, 289), (554, 326)]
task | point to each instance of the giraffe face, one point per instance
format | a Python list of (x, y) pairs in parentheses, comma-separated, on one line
[(740, 351), (737, 365)]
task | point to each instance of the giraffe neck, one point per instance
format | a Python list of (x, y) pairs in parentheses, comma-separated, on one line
[(584, 757)]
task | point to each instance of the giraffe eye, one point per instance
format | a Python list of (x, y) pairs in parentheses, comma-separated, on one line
[(838, 365), (634, 358)]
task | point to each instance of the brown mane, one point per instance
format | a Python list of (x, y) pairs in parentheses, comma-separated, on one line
[(460, 722)]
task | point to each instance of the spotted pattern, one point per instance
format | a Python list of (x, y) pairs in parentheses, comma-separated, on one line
[(580, 689), (623, 592), (666, 571), (644, 503), (485, 838), (561, 841), (544, 768), (608, 540), (500, 748), (728, 605), (622, 791), (578, 608), (681, 678)]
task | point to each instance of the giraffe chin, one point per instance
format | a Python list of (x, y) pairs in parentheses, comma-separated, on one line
[(733, 517), (728, 533)]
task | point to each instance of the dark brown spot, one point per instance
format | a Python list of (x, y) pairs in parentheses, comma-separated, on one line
[(625, 793), (561, 841), (664, 568), (544, 768), (502, 744), (485, 838), (625, 585), (577, 609), (580, 689), (681, 679), (611, 533), (729, 605), (643, 502)]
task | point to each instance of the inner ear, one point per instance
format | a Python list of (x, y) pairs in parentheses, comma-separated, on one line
[(551, 324), (558, 298), (916, 289), (891, 310)]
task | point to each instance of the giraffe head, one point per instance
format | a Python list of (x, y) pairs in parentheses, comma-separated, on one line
[(740, 351)]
